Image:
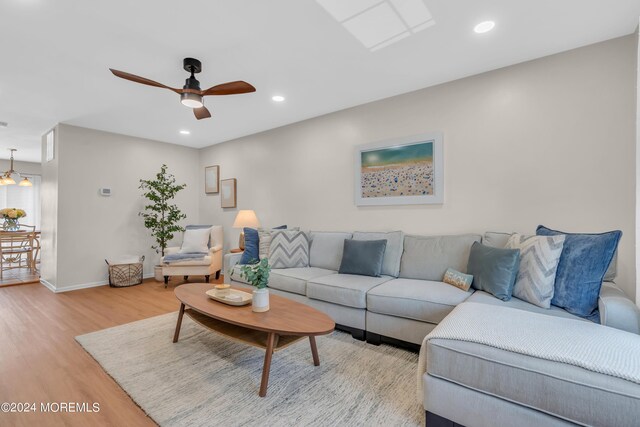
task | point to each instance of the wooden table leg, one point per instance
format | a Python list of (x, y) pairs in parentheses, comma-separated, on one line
[(272, 341), (179, 324), (314, 350)]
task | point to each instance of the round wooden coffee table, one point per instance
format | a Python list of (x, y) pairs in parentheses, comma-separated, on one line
[(285, 323)]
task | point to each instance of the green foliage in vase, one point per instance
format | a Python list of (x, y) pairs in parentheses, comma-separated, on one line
[(161, 217), (256, 274)]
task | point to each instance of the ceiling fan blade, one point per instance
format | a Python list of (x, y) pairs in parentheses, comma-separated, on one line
[(201, 113), (142, 80), (230, 88)]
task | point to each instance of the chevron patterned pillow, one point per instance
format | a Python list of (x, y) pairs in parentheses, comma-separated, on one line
[(289, 249), (539, 257)]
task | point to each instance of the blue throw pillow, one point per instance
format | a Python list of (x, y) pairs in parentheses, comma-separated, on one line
[(251, 241), (363, 257), (584, 261), (251, 252), (494, 270)]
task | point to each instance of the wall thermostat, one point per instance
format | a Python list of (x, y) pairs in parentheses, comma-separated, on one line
[(105, 192)]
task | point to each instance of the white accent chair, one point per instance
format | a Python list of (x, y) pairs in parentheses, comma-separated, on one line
[(212, 263)]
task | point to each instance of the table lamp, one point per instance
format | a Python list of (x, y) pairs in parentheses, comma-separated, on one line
[(245, 218)]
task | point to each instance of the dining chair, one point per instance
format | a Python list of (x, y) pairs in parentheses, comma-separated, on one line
[(16, 250), (35, 244)]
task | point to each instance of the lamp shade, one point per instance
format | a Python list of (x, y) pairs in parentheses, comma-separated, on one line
[(25, 182), (246, 218)]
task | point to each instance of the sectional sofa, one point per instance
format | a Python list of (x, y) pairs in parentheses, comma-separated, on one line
[(409, 299), (494, 383)]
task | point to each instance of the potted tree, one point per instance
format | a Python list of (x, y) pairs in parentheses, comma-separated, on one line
[(258, 276), (161, 216)]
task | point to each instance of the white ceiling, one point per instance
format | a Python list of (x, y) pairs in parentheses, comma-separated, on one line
[(55, 56)]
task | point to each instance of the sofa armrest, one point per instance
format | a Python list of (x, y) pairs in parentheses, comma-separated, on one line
[(214, 249), (230, 261), (616, 310)]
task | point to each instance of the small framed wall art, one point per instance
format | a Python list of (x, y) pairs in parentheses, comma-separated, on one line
[(228, 193), (212, 179), (403, 171)]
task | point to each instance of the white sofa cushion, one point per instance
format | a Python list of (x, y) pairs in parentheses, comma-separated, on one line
[(428, 257), (487, 298), (496, 239), (195, 240), (393, 251), (325, 250), (344, 289), (295, 279), (424, 300)]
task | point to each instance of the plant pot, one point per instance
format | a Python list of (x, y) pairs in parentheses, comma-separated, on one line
[(157, 271), (260, 302)]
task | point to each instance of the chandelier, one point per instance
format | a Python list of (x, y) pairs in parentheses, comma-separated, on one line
[(6, 178)]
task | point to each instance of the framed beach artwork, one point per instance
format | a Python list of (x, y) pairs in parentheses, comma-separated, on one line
[(228, 193), (403, 171), (212, 179)]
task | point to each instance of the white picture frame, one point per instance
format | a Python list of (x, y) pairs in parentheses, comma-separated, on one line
[(228, 193), (398, 178), (212, 179)]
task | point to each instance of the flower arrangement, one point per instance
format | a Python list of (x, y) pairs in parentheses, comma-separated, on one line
[(12, 213), (11, 217)]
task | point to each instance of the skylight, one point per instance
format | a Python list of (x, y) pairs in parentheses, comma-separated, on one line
[(380, 23)]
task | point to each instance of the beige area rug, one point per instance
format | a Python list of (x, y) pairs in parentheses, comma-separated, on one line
[(207, 380)]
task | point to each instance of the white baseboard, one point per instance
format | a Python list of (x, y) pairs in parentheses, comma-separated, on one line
[(48, 285), (82, 285)]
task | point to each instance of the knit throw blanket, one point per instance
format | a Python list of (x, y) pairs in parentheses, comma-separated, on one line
[(587, 345), (181, 257)]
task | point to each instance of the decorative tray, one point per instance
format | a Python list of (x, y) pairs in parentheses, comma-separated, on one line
[(234, 297)]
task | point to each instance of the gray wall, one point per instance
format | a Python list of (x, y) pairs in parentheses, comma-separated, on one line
[(551, 141)]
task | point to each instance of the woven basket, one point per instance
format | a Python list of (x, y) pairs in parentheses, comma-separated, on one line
[(123, 275)]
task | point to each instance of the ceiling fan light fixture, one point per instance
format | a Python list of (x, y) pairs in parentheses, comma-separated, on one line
[(191, 100), (25, 182), (8, 180)]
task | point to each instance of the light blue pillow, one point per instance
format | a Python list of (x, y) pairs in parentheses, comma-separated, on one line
[(494, 270), (584, 261)]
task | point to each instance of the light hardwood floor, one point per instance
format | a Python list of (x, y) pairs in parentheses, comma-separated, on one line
[(41, 362)]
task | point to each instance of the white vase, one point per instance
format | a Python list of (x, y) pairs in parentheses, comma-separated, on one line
[(157, 271), (260, 302)]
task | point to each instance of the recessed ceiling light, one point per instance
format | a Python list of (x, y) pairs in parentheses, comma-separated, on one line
[(277, 98), (484, 27), (185, 132)]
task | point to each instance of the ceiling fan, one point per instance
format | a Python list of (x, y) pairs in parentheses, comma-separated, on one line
[(191, 95)]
